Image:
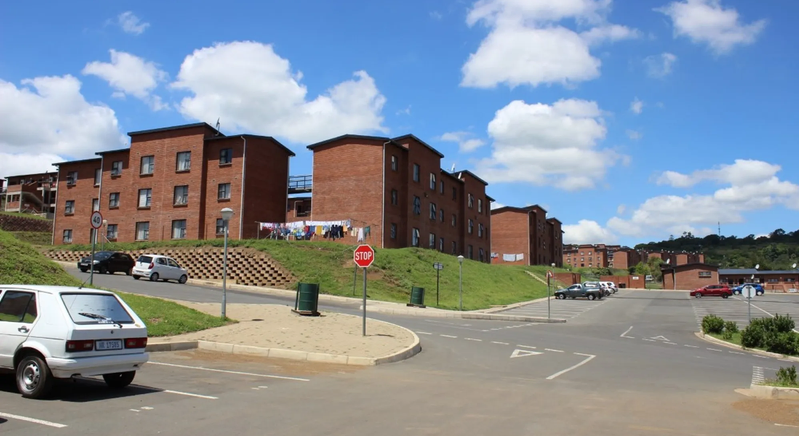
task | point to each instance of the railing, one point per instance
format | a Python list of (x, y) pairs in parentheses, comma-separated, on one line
[(300, 183)]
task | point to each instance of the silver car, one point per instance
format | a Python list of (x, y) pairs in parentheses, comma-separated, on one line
[(157, 267)]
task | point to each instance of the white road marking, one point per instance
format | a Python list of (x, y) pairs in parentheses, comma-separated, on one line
[(649, 340), (499, 343), (523, 353), (690, 346), (734, 352), (670, 343), (660, 338), (714, 349), (225, 371), (525, 346), (628, 337), (473, 339), (786, 425), (449, 336), (557, 351), (32, 420), (624, 335), (135, 410), (423, 333), (168, 391), (146, 408), (761, 357), (559, 373)]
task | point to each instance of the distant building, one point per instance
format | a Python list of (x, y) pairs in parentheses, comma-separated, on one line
[(621, 257), (525, 236), (31, 193)]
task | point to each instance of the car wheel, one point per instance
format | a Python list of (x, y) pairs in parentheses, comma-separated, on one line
[(84, 270), (591, 296), (725, 296), (758, 293), (129, 272), (34, 379), (136, 277), (698, 295), (119, 380), (103, 270), (183, 279), (154, 277)]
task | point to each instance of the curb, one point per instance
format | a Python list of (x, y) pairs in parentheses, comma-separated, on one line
[(713, 340), (282, 353), (465, 315), (773, 392)]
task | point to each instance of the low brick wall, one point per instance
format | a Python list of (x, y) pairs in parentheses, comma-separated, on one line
[(12, 223), (245, 266)]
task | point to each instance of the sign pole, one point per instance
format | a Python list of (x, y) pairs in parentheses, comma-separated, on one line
[(91, 259), (354, 278), (548, 298), (364, 301), (438, 276)]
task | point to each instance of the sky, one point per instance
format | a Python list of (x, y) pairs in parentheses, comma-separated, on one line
[(627, 120)]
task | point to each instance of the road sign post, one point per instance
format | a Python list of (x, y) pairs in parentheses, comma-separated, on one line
[(96, 221), (749, 291), (438, 266), (549, 312), (363, 256)]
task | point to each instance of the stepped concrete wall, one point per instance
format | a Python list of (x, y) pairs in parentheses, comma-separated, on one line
[(246, 266)]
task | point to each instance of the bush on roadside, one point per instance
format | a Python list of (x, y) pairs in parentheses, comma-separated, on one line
[(772, 334), (752, 335), (712, 324), (787, 376), (783, 324), (731, 326)]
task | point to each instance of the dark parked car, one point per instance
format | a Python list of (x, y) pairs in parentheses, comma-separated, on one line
[(712, 291), (579, 290), (738, 290), (108, 262)]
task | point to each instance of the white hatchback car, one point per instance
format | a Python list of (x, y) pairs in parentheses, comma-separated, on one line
[(156, 267), (59, 332)]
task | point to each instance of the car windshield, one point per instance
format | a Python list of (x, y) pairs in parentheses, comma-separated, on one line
[(145, 259), (95, 308), (102, 255)]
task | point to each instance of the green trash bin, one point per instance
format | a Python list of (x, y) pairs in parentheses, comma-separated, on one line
[(307, 300), (417, 297)]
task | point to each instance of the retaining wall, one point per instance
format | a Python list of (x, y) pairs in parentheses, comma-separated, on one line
[(12, 223)]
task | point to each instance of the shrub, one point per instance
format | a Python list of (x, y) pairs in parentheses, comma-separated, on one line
[(712, 324), (730, 326), (780, 342), (787, 376), (726, 335), (753, 335), (782, 324)]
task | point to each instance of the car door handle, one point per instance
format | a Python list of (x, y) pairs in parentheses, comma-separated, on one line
[(23, 329)]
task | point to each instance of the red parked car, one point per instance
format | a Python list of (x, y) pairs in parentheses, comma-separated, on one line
[(722, 291)]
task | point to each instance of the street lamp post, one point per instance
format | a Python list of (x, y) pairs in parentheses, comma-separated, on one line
[(460, 281), (105, 235), (227, 214)]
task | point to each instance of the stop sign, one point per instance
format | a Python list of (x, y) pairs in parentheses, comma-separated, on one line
[(363, 256)]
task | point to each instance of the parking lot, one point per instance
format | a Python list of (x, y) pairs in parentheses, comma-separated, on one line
[(561, 309), (736, 308)]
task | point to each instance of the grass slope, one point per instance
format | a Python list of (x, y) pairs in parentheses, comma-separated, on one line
[(391, 276), (24, 215), (21, 264)]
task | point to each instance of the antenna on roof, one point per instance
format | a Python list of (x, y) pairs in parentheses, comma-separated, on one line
[(217, 127), (453, 167)]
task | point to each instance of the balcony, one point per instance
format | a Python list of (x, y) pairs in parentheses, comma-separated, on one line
[(300, 184)]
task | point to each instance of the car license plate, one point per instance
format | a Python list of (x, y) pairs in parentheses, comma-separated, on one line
[(108, 345)]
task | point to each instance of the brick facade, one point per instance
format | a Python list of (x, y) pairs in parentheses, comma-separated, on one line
[(31, 193), (186, 192), (689, 277), (526, 231)]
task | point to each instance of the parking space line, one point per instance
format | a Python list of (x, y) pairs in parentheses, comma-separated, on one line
[(525, 346), (714, 349), (225, 371), (559, 373), (556, 351), (169, 391), (449, 336), (473, 339), (423, 333), (691, 346), (499, 343), (32, 420)]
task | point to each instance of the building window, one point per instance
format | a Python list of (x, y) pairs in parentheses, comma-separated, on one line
[(147, 165), (432, 181), (393, 231), (471, 227), (225, 156), (145, 197), (394, 197), (454, 193), (441, 215), (67, 237), (95, 204), (69, 207), (394, 163), (480, 205), (179, 229), (98, 175), (431, 243), (454, 220), (705, 274), (113, 200), (184, 161), (142, 231), (441, 244), (220, 226), (480, 232), (471, 201), (470, 252), (481, 255), (433, 213), (181, 195), (416, 173), (116, 168), (111, 232), (417, 205), (224, 191), (72, 178), (441, 184), (415, 237), (454, 247)]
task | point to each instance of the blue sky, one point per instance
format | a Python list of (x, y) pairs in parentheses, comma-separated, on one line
[(627, 120)]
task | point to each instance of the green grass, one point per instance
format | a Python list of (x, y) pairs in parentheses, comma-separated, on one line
[(24, 215), (391, 276), (21, 264), (736, 338), (654, 285), (35, 238), (775, 383)]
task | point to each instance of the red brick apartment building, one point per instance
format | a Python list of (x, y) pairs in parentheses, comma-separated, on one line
[(32, 193), (615, 256), (525, 236), (172, 184), (396, 188)]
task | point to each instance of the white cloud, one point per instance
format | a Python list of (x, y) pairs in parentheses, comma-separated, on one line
[(129, 75), (661, 65), (634, 135), (496, 205), (587, 232), (548, 145), (251, 88), (526, 45), (708, 22), (466, 144), (406, 111), (621, 209), (752, 186), (637, 106), (46, 120), (131, 23)]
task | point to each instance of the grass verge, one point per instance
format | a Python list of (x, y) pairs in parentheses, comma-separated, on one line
[(24, 215), (778, 384), (34, 238), (21, 264), (391, 276), (736, 338)]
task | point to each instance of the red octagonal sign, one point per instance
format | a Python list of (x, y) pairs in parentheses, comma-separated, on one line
[(363, 256)]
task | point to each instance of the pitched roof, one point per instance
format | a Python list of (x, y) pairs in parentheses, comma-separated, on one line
[(118, 150), (669, 267), (349, 136), (288, 150), (180, 127), (411, 136), (77, 161), (750, 271), (474, 176)]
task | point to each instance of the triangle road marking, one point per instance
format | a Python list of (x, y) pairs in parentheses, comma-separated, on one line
[(523, 353), (660, 338)]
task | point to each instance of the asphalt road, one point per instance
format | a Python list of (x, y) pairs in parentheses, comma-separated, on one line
[(629, 365)]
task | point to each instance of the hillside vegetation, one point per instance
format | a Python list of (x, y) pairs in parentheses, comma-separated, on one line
[(391, 276), (779, 250)]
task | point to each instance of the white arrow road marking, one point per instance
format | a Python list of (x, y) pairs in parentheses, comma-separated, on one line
[(624, 335), (523, 353), (559, 373), (660, 338)]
